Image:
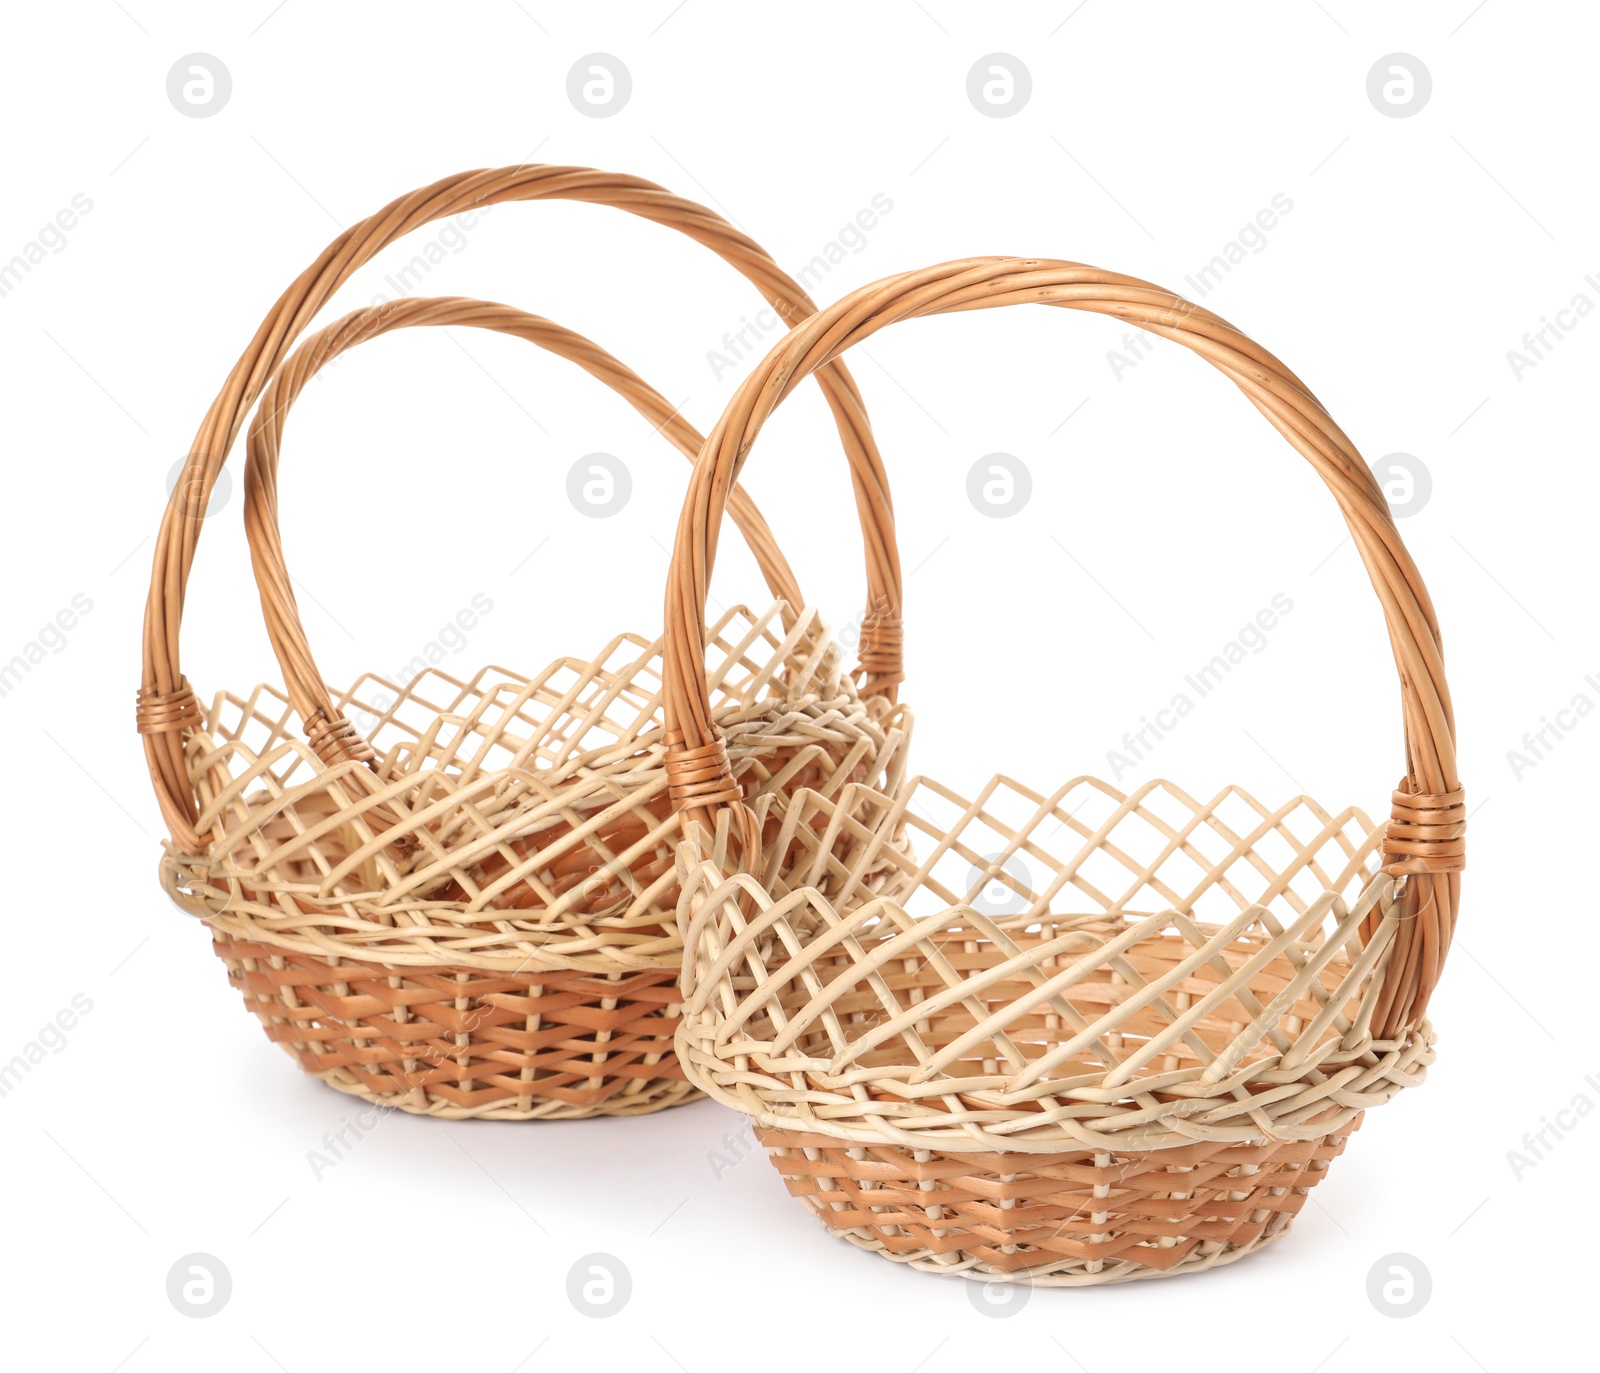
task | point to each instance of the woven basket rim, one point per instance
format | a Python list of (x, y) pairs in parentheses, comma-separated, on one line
[(866, 1087), (1425, 841), (799, 694), (167, 706)]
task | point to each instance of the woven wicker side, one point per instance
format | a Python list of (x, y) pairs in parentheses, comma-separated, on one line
[(1424, 842), (475, 920), (168, 708), (512, 822), (1072, 1038)]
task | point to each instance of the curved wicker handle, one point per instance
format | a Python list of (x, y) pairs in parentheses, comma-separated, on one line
[(1425, 837), (331, 735), (167, 704)]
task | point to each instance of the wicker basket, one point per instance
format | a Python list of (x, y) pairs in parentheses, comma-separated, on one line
[(464, 906), (1094, 1037)]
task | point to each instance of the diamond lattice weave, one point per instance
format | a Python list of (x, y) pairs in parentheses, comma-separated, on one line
[(1089, 980), (501, 881)]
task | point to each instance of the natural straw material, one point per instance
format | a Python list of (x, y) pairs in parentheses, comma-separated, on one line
[(467, 908), (1139, 1050), (456, 897), (168, 705)]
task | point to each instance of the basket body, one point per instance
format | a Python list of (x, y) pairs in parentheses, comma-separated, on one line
[(458, 1042), (1093, 1004), (1067, 1219), (496, 865), (481, 924), (1087, 1037)]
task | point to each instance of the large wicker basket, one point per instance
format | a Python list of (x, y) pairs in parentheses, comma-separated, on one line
[(456, 897), (1094, 1036)]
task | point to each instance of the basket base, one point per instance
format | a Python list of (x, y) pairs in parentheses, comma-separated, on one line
[(460, 1043), (655, 1094), (1055, 1220)]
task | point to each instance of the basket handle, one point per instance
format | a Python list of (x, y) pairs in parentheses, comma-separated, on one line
[(331, 735), (1424, 844), (168, 706)]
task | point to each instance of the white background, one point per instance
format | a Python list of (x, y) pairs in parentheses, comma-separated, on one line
[(1164, 515)]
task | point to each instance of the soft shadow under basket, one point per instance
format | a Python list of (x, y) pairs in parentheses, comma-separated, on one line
[(1085, 1036), (464, 906)]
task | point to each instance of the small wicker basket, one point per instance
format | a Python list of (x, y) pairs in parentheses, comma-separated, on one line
[(465, 907), (1089, 1036)]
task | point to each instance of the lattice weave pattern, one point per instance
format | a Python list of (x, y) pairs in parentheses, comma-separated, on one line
[(489, 862), (1429, 814), (1135, 994), (1147, 1001), (162, 679), (508, 854)]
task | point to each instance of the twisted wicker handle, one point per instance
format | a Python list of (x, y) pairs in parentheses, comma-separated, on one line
[(167, 705), (331, 735), (1424, 841)]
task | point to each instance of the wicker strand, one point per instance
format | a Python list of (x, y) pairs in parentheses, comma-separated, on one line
[(1426, 833), (335, 740), (701, 777), (1141, 1067), (882, 654), (161, 670), (303, 680), (1287, 403), (167, 712)]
